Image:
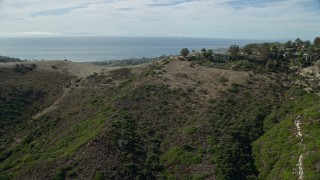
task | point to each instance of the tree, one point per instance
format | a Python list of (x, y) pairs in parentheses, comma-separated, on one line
[(274, 49), (289, 44), (209, 54), (248, 50), (299, 43), (264, 51), (203, 53), (234, 51), (184, 52), (316, 42), (203, 50), (306, 44)]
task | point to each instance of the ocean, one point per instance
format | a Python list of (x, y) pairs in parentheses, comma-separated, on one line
[(105, 48)]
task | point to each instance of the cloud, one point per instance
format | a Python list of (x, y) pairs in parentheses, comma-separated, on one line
[(168, 3), (253, 3), (31, 33), (202, 18), (126, 9), (58, 12)]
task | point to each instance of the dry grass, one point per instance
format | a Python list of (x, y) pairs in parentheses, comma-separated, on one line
[(204, 81), (73, 68)]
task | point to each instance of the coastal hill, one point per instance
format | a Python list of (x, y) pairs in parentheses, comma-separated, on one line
[(192, 117)]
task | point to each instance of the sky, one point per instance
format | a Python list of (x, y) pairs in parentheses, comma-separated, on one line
[(241, 19)]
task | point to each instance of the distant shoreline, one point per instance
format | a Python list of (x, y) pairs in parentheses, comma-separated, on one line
[(146, 59), (106, 48)]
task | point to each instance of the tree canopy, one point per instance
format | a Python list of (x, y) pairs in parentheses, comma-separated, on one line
[(316, 42), (184, 52), (234, 51)]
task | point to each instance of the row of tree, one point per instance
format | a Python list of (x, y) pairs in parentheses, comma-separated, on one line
[(277, 51), (263, 52)]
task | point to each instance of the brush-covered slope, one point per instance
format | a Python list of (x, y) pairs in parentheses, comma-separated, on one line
[(23, 92), (291, 149), (170, 119)]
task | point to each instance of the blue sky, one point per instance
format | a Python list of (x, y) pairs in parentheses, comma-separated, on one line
[(245, 19)]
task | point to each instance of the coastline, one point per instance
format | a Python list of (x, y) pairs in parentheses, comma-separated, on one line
[(82, 49)]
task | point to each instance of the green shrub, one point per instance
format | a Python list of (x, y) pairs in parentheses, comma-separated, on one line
[(201, 176), (20, 68), (190, 130), (234, 88), (178, 155), (222, 79), (100, 175)]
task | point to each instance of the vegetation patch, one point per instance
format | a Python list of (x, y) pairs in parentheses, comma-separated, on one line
[(278, 150), (179, 155), (190, 130)]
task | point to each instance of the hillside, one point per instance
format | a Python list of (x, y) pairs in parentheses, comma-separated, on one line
[(169, 119), (293, 144)]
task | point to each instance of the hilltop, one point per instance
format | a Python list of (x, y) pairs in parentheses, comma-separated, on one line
[(174, 118)]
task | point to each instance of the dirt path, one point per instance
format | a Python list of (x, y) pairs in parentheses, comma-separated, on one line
[(52, 107), (299, 135), (57, 102)]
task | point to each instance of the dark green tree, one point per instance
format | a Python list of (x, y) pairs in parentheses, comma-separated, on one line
[(248, 50), (316, 42), (184, 52), (306, 44), (274, 49), (209, 54), (289, 44), (234, 51), (299, 43), (204, 53), (203, 50), (264, 51)]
